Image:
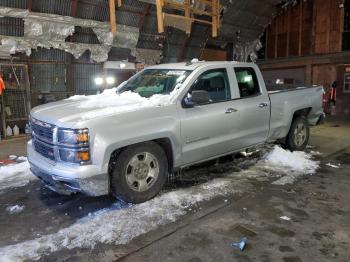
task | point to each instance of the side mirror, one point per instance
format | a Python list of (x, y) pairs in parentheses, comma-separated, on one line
[(200, 97)]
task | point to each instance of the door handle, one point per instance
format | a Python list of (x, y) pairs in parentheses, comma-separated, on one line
[(262, 105), (230, 110)]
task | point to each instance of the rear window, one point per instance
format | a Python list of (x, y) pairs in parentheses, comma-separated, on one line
[(247, 82)]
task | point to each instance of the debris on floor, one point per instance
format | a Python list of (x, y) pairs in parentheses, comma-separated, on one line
[(15, 209), (245, 231), (241, 244), (285, 218), (334, 166)]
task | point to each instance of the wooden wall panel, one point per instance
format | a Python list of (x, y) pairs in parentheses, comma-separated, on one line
[(294, 26), (214, 55), (311, 27), (306, 28), (282, 30), (270, 42), (328, 28)]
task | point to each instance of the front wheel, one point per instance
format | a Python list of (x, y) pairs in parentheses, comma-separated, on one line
[(139, 173), (299, 133)]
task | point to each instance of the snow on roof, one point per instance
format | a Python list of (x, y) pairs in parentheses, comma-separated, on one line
[(194, 65)]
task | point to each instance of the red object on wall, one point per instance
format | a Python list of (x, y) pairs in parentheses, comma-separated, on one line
[(2, 85)]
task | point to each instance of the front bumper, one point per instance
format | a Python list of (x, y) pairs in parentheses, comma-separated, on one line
[(67, 178)]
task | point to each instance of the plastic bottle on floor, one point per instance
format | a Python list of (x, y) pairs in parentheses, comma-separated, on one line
[(27, 129), (9, 131), (15, 130)]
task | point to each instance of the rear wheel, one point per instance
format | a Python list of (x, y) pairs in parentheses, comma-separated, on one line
[(299, 133), (139, 173)]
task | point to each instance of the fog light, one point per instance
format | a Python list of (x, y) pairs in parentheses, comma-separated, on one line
[(84, 156), (78, 157)]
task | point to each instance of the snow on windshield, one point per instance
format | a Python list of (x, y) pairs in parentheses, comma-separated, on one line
[(110, 102)]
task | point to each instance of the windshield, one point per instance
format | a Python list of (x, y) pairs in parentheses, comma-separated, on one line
[(156, 81)]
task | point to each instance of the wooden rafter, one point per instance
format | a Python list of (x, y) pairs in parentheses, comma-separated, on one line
[(160, 17), (212, 11), (112, 16)]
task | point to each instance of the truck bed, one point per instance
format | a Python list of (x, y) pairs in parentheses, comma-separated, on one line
[(287, 101)]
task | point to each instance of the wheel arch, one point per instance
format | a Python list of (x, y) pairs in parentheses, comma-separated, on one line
[(165, 143), (301, 112)]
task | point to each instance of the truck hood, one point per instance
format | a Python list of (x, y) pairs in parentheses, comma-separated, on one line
[(68, 112)]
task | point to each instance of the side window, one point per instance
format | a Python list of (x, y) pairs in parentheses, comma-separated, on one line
[(216, 83), (247, 81)]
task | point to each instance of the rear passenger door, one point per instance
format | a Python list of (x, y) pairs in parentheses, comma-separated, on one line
[(253, 107)]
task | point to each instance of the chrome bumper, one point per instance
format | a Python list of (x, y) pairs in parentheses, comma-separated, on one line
[(68, 179)]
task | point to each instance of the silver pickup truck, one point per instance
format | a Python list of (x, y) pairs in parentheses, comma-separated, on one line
[(127, 140)]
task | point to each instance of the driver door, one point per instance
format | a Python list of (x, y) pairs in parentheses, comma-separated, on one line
[(206, 129)]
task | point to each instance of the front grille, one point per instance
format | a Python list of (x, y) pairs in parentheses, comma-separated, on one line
[(44, 149), (42, 130)]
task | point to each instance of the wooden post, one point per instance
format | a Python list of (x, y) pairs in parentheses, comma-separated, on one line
[(300, 26), (3, 116), (160, 19), (215, 12), (341, 27), (187, 13), (112, 17), (276, 36), (288, 32), (29, 5)]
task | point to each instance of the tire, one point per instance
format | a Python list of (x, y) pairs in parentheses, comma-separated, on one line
[(139, 173), (299, 133)]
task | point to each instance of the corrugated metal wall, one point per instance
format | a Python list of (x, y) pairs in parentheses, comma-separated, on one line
[(83, 80), (49, 68), (11, 26)]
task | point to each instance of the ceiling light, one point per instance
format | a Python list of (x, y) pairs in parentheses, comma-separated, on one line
[(98, 81), (110, 80)]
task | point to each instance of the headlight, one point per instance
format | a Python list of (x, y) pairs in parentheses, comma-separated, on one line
[(73, 156), (73, 137)]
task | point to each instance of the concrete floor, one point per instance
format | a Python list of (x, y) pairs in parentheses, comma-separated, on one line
[(319, 229), (13, 146)]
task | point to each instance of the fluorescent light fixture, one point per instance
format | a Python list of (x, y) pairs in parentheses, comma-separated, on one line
[(248, 79), (110, 80), (98, 81), (122, 65), (279, 81)]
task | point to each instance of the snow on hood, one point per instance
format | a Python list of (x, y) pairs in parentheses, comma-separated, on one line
[(110, 102)]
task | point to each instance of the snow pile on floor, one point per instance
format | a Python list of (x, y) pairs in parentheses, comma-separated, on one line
[(118, 226), (15, 175), (298, 160), (110, 102), (290, 164), (15, 209)]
